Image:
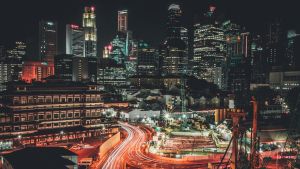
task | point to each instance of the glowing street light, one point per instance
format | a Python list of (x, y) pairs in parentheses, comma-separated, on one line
[(167, 116)]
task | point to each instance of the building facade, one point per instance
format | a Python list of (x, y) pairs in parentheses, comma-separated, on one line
[(63, 65), (173, 51), (209, 50), (40, 113), (75, 40), (47, 41), (90, 31), (123, 21), (36, 71), (147, 61)]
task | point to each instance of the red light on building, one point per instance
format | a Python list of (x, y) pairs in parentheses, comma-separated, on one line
[(93, 8), (74, 26), (36, 71), (109, 47), (212, 8)]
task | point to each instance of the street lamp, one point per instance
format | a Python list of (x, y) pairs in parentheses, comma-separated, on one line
[(167, 116)]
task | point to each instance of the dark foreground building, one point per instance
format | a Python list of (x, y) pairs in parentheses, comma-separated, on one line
[(41, 157)]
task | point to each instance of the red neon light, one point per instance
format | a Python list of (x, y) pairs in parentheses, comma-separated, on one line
[(74, 26), (109, 47)]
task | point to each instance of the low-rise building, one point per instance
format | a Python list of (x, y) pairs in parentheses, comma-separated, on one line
[(41, 113), (284, 80)]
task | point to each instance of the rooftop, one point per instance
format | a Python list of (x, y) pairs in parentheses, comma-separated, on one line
[(40, 157)]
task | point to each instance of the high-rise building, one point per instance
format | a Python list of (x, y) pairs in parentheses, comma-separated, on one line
[(75, 40), (18, 51), (11, 64), (80, 69), (118, 49), (237, 72), (47, 40), (111, 73), (63, 65), (292, 50), (147, 62), (174, 21), (175, 58), (274, 45), (36, 71), (209, 49), (123, 21), (258, 61), (84, 69), (90, 31)]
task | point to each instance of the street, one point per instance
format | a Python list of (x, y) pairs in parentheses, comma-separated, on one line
[(131, 154)]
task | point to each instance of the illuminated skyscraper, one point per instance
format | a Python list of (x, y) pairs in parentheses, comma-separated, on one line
[(90, 31), (175, 57), (123, 21), (292, 50), (18, 52), (74, 40), (209, 49), (174, 21), (147, 61), (274, 44), (47, 40)]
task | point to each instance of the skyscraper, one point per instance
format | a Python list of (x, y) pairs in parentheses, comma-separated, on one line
[(64, 66), (47, 40), (258, 61), (237, 47), (18, 52), (123, 21), (175, 57), (90, 31), (147, 61), (292, 50), (274, 44), (74, 40), (84, 69), (209, 49), (174, 21)]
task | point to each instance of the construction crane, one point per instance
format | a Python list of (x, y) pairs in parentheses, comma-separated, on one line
[(238, 158)]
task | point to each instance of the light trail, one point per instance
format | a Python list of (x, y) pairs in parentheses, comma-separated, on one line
[(131, 153)]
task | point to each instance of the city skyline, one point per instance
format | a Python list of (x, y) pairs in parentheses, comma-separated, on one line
[(144, 84), (68, 12)]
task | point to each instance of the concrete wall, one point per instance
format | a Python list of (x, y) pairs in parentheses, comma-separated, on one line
[(109, 144)]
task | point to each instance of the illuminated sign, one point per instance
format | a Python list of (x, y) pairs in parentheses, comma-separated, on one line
[(74, 26)]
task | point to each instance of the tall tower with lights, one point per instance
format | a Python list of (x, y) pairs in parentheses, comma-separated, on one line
[(90, 31), (123, 21), (47, 40)]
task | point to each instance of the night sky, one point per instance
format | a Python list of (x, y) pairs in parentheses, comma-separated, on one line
[(19, 18)]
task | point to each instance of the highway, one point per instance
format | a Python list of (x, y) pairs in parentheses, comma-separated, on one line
[(131, 154)]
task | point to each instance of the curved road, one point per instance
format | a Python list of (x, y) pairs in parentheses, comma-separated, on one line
[(131, 154)]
